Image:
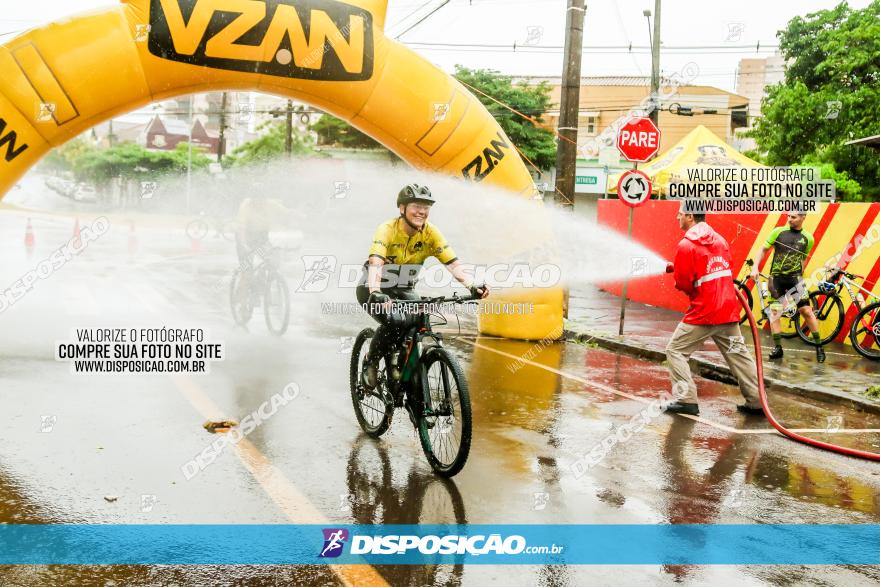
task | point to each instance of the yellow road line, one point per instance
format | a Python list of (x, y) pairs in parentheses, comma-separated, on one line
[(643, 400), (295, 505)]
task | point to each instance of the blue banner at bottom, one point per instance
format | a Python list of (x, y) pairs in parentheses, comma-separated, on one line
[(696, 544)]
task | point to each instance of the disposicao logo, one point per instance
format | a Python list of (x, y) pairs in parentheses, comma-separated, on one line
[(334, 540)]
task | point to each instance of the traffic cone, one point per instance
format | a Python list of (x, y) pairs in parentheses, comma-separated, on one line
[(76, 234), (132, 239), (29, 239)]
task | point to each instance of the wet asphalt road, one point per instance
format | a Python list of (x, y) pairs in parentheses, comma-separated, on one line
[(128, 436)]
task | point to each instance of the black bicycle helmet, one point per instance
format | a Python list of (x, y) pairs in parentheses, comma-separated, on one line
[(415, 193)]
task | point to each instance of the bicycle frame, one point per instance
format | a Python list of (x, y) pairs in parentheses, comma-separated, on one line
[(847, 282), (413, 374), (787, 312)]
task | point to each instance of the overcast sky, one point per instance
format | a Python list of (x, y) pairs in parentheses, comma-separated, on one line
[(532, 24)]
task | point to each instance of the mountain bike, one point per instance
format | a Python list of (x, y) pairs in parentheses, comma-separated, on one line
[(202, 226), (865, 332), (417, 373), (261, 285), (789, 315), (827, 304)]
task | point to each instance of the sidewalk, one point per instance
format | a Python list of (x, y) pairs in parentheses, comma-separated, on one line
[(594, 317)]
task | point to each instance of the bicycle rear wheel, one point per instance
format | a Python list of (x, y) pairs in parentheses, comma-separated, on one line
[(445, 424), (240, 298), (865, 332), (741, 286), (829, 314), (373, 412), (276, 304)]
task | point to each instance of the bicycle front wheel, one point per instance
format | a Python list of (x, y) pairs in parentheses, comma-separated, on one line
[(276, 306), (865, 332), (445, 424), (829, 313), (240, 297)]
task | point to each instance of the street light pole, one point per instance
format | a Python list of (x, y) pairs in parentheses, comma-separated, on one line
[(655, 61), (288, 136), (189, 153), (221, 147)]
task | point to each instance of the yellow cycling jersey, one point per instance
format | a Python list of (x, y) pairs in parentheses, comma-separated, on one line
[(261, 216), (395, 246)]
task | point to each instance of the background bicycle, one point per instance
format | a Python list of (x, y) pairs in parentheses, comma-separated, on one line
[(203, 226), (788, 319), (261, 285), (827, 303)]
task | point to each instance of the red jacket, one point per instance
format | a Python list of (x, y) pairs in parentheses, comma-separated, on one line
[(703, 271)]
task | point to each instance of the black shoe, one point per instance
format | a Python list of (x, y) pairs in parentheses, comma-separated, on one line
[(681, 408), (776, 353), (371, 373), (747, 409), (820, 354)]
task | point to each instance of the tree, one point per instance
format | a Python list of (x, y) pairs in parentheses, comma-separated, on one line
[(830, 95), (132, 161), (270, 145), (332, 131), (64, 157), (535, 142)]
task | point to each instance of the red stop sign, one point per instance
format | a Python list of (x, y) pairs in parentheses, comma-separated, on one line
[(638, 140)]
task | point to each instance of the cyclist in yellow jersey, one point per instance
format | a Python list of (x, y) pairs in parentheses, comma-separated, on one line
[(257, 216), (400, 248)]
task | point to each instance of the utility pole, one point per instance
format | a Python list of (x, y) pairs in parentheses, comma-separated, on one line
[(189, 155), (569, 106), (221, 147), (288, 138), (655, 64)]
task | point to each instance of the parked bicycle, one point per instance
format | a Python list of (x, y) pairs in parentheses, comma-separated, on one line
[(202, 226), (789, 314), (261, 285), (418, 374), (827, 304)]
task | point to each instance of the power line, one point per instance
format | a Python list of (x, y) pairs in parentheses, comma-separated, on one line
[(423, 19), (411, 13), (596, 47)]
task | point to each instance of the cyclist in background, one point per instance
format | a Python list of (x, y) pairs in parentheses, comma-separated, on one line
[(257, 216), (791, 246), (400, 248)]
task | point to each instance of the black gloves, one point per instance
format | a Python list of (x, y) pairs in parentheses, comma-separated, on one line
[(378, 297)]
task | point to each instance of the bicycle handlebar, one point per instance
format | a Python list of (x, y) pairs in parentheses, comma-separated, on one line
[(456, 299)]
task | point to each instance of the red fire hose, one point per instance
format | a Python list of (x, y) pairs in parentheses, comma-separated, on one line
[(765, 406), (762, 393)]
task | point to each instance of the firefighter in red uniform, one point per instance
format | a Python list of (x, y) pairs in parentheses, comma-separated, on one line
[(702, 269)]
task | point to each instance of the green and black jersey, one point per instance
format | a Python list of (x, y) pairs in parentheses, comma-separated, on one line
[(790, 248)]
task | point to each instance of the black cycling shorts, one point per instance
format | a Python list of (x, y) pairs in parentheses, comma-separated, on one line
[(780, 285)]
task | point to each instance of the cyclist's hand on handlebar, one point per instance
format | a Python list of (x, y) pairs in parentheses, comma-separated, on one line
[(754, 274), (479, 290), (378, 298)]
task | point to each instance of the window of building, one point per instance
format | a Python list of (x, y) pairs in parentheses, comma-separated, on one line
[(588, 123)]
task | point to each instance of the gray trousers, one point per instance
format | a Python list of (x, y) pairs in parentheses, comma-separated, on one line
[(688, 338)]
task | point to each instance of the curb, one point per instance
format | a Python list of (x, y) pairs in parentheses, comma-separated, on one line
[(721, 372)]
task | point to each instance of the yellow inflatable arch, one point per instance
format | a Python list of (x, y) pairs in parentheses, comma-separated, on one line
[(62, 79)]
